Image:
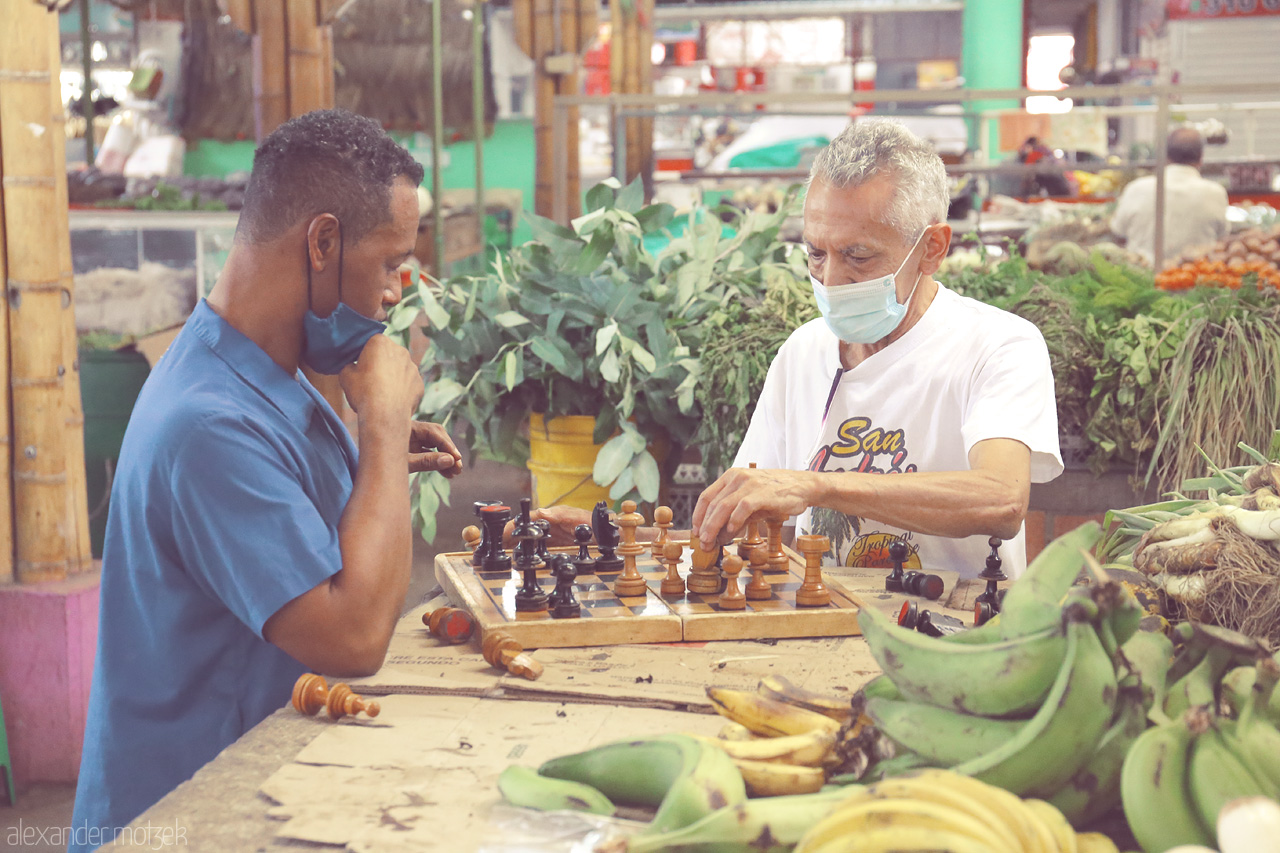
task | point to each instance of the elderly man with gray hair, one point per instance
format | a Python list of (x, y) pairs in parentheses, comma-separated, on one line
[(900, 376)]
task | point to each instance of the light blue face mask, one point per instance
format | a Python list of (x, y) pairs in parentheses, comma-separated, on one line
[(864, 312), (331, 343)]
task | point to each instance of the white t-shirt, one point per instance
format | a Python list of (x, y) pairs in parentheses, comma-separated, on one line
[(964, 373), (1195, 212)]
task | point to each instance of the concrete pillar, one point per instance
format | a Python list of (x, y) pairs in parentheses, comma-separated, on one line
[(992, 54)]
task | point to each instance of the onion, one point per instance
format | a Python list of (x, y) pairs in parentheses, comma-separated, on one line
[(1249, 825)]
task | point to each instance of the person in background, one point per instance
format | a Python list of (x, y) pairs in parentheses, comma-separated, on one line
[(1195, 209), (248, 540)]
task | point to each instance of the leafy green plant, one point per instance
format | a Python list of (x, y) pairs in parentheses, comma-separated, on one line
[(606, 318)]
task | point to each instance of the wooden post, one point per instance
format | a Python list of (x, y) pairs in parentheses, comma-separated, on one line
[(567, 84), (270, 68), (79, 546), (6, 445), (644, 71), (544, 92), (41, 527), (305, 65)]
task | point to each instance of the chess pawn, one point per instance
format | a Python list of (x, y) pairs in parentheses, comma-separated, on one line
[(630, 583), (342, 702), (503, 651), (758, 589), (471, 537), (813, 592), (309, 693), (451, 624), (582, 536), (732, 597), (662, 519), (672, 584)]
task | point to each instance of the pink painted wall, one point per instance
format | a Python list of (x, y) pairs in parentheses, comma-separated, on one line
[(48, 634)]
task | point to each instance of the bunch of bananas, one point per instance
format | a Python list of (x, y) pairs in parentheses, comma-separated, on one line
[(1216, 741), (942, 810), (1043, 702)]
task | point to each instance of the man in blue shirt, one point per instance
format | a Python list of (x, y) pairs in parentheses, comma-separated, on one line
[(247, 541)]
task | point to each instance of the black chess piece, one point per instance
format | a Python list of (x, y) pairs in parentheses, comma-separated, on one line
[(898, 552), (585, 562), (543, 553), (988, 603), (494, 519), (938, 624), (919, 583), (607, 538), (563, 604), (530, 597), (482, 550)]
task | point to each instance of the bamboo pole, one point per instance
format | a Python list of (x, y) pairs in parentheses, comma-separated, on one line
[(6, 446), (41, 527), (477, 118), (543, 102), (631, 85), (326, 66), (305, 64), (270, 68), (644, 70), (79, 545), (567, 84), (241, 14)]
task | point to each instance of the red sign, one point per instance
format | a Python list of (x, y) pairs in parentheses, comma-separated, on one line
[(1209, 9)]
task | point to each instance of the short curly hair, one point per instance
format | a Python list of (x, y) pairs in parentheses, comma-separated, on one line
[(327, 161)]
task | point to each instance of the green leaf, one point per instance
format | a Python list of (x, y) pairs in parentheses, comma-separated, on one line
[(599, 197), (510, 319), (597, 250), (655, 217), (631, 199), (547, 351), (440, 395), (622, 486), (644, 358), (512, 367), (436, 315), (609, 368), (645, 471), (605, 335), (613, 459)]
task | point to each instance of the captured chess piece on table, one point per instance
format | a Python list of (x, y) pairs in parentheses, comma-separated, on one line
[(502, 651), (311, 693), (988, 603), (451, 624)]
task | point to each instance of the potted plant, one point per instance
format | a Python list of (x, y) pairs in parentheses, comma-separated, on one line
[(603, 320)]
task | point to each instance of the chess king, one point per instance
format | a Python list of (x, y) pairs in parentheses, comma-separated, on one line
[(248, 540), (906, 411)]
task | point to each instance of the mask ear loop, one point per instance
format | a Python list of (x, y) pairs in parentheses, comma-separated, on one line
[(342, 237)]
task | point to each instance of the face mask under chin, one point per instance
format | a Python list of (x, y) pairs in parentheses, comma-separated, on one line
[(332, 343)]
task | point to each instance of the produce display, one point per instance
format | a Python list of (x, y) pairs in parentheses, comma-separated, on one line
[(1255, 252)]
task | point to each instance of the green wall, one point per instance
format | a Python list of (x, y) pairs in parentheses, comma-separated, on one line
[(508, 161), (992, 53)]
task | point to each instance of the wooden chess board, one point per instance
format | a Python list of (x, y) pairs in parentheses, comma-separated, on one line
[(609, 620)]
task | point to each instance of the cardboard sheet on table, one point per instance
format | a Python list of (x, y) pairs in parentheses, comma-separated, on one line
[(426, 775)]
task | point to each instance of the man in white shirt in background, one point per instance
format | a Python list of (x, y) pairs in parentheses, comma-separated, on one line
[(906, 411), (1195, 209)]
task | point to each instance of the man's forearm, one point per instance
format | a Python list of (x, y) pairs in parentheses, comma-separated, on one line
[(952, 503)]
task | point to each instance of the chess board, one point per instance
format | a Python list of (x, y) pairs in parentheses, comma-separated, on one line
[(609, 620)]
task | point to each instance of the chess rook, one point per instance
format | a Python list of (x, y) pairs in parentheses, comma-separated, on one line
[(775, 557), (672, 584), (732, 597), (813, 592), (630, 583), (451, 624), (494, 520), (480, 549)]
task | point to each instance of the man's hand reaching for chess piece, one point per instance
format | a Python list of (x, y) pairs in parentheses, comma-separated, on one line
[(742, 495)]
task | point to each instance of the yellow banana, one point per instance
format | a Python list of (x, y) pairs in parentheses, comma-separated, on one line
[(808, 750), (1033, 835), (766, 716), (1057, 824), (936, 827), (1095, 842), (903, 839), (771, 779), (780, 688), (735, 731), (929, 790)]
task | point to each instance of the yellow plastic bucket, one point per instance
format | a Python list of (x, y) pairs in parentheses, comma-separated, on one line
[(561, 458)]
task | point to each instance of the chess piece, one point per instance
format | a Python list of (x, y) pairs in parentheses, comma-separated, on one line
[(988, 603), (311, 693), (751, 542), (451, 624), (480, 550), (732, 597), (927, 586), (543, 554), (529, 597), (503, 651), (909, 615), (813, 592), (472, 538), (563, 604), (494, 520), (630, 583), (776, 557), (898, 552), (607, 537), (672, 584), (662, 519), (704, 576), (758, 589), (584, 561)]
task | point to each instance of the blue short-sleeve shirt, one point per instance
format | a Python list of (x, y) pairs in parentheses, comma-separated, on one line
[(232, 478)]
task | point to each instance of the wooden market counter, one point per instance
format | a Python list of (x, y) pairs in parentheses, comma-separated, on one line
[(422, 775)]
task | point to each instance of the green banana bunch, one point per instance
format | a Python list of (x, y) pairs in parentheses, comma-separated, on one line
[(1149, 654), (684, 778), (1034, 603), (1154, 790), (1207, 655), (1094, 790), (524, 786), (767, 825), (1240, 682), (1002, 678)]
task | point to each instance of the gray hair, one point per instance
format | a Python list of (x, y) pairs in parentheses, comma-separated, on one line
[(870, 148)]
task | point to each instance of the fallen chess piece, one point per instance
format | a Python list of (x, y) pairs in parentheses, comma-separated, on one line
[(504, 652), (451, 624), (311, 693)]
